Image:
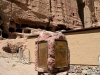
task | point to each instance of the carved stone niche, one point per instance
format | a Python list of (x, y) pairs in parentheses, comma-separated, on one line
[(51, 53), (0, 32)]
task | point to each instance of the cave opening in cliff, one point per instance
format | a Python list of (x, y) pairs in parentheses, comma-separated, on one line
[(19, 30), (27, 30), (11, 29), (60, 27), (81, 6), (18, 25), (49, 28), (0, 32), (24, 25), (1, 23), (4, 34), (41, 27)]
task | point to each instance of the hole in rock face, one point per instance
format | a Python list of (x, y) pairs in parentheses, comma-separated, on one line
[(19, 30), (60, 27), (0, 18), (73, 14), (24, 25), (4, 35), (27, 31), (11, 29), (0, 32), (41, 27)]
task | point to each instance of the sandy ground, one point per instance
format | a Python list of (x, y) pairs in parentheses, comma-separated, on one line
[(12, 66)]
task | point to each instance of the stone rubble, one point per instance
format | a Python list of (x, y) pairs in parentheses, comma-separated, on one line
[(84, 70)]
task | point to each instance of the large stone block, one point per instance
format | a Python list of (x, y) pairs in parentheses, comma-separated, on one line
[(51, 61)]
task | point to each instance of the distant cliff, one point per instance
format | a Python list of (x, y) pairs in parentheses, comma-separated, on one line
[(52, 15)]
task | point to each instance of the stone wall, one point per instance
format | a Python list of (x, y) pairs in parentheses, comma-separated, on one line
[(84, 47), (84, 52)]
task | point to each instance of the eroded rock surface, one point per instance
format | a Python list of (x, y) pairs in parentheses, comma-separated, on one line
[(36, 13), (53, 15)]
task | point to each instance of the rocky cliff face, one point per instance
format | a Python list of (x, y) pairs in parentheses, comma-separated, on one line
[(65, 12), (18, 12), (22, 9), (48, 14)]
